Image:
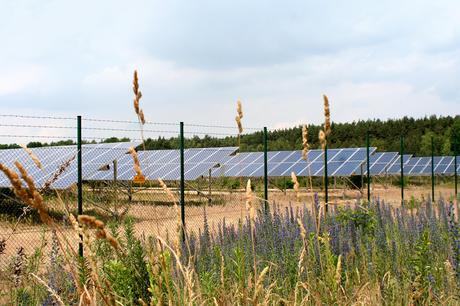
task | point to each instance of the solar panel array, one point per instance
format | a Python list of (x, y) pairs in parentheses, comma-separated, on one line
[(420, 166), (97, 161), (52, 158), (341, 162), (379, 162), (165, 164), (394, 168)]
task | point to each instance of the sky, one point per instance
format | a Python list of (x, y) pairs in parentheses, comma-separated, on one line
[(374, 59)]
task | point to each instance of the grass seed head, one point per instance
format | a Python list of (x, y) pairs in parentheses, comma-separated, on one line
[(305, 145), (141, 116), (327, 116), (137, 93), (239, 109), (238, 123), (32, 156), (239, 116), (249, 200), (137, 167), (322, 139), (296, 183)]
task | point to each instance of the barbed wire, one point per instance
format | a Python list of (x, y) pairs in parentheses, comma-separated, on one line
[(127, 121), (36, 117)]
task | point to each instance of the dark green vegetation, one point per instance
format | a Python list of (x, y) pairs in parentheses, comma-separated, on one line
[(384, 134)]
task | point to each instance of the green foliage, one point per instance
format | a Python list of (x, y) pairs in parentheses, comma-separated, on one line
[(361, 218)]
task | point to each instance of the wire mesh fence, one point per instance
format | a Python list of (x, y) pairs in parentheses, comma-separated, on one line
[(161, 175)]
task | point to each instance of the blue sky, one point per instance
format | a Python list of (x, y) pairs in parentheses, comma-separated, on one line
[(375, 59)]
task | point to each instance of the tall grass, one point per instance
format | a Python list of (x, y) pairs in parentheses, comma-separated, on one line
[(366, 255)]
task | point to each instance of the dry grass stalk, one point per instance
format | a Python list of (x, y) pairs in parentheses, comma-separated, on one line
[(296, 184), (62, 168), (322, 139), (137, 166), (53, 293), (249, 201), (33, 199), (28, 195), (305, 145), (338, 271), (32, 156), (101, 233), (252, 215), (187, 272), (327, 116), (137, 93), (239, 116), (137, 109), (141, 117), (239, 109), (177, 242), (300, 264), (259, 285)]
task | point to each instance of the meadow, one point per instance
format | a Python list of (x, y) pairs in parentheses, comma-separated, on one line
[(356, 254)]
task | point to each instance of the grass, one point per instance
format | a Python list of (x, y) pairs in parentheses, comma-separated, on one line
[(368, 255)]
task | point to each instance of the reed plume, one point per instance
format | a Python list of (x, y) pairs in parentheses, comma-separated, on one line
[(322, 139), (239, 116), (62, 168), (305, 145), (28, 195), (101, 233), (141, 116), (327, 116), (239, 109), (137, 109), (137, 167), (137, 93), (249, 201), (32, 156), (296, 184)]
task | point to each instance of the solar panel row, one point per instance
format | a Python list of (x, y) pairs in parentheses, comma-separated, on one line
[(341, 162), (98, 163), (52, 158), (165, 164)]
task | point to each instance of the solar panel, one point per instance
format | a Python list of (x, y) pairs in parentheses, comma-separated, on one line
[(394, 167), (52, 158), (449, 166), (379, 162), (165, 164), (341, 162), (443, 165)]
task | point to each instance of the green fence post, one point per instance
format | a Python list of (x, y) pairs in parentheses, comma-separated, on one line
[(402, 169), (182, 179), (368, 169), (432, 169), (266, 207), (326, 179), (79, 181)]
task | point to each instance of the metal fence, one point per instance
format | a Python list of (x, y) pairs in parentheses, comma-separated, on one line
[(199, 202)]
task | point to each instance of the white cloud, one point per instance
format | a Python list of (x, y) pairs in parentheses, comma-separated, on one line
[(23, 79), (381, 59)]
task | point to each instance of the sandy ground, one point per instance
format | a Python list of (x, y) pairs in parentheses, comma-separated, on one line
[(161, 220)]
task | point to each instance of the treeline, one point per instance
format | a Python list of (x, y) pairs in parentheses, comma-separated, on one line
[(384, 134)]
